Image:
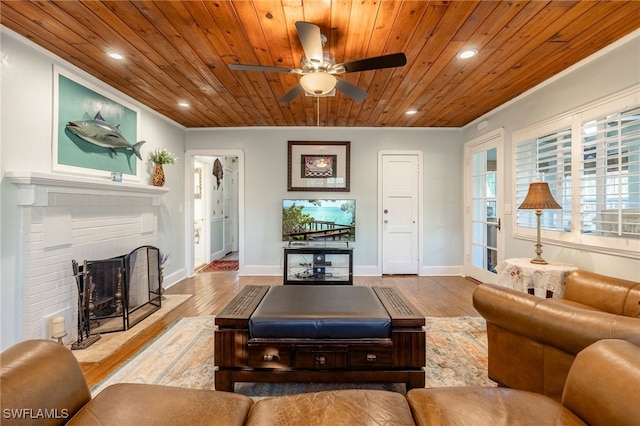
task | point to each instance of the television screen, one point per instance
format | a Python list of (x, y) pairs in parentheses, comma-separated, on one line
[(318, 220)]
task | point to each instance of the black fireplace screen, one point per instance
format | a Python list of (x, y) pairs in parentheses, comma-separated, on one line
[(115, 294)]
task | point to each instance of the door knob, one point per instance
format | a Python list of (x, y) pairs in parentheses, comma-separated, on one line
[(386, 211), (386, 221)]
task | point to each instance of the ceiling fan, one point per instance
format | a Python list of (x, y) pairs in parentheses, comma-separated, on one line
[(318, 68)]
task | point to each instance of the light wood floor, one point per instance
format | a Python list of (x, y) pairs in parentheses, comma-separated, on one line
[(433, 296)]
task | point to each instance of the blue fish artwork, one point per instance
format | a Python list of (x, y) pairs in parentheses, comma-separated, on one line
[(99, 132)]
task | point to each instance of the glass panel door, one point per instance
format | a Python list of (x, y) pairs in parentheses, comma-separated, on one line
[(483, 224)]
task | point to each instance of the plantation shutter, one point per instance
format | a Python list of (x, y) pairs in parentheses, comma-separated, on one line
[(610, 175), (546, 159)]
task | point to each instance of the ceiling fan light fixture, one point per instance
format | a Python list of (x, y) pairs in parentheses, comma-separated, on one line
[(318, 83)]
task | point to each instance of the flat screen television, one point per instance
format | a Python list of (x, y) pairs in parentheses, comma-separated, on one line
[(318, 220)]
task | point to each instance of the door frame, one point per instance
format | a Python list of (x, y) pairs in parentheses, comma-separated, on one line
[(498, 135), (189, 158), (381, 155)]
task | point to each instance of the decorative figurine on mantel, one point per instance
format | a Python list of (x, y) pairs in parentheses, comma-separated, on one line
[(159, 157)]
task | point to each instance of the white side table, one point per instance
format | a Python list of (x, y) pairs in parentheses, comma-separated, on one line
[(521, 274)]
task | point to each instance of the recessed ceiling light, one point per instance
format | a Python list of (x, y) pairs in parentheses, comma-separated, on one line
[(466, 54), (411, 112), (184, 104), (115, 55)]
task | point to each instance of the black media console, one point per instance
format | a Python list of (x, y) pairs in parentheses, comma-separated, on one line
[(318, 265)]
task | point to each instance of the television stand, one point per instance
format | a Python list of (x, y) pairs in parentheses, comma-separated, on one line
[(318, 265)]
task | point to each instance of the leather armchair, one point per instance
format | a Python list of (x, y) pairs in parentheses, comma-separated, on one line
[(533, 342), (602, 389)]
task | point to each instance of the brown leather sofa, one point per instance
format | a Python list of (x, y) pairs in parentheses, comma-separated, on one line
[(41, 383), (533, 342)]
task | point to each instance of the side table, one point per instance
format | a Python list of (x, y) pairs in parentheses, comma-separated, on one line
[(521, 274)]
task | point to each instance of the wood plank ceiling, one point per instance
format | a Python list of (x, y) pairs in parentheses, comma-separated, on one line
[(180, 51)]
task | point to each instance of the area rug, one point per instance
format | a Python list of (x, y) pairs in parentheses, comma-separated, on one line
[(183, 356), (221, 265), (111, 342)]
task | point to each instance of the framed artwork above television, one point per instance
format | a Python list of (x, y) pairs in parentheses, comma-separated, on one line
[(318, 166)]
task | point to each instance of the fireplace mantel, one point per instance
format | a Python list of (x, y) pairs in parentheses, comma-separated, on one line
[(34, 188)]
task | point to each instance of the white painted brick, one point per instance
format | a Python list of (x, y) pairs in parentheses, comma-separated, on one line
[(101, 227)]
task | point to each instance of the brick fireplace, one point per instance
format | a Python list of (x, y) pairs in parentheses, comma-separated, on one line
[(65, 218)]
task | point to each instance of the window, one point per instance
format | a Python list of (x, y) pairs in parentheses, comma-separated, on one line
[(591, 161), (610, 175), (546, 159)]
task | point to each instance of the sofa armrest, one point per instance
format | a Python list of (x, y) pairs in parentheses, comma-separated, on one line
[(603, 384), (572, 327), (506, 307), (40, 375), (604, 293)]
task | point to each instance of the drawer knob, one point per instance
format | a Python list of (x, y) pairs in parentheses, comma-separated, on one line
[(320, 360), (371, 357), (270, 357)]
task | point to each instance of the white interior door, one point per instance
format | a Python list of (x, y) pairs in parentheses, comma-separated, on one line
[(227, 210), (199, 212), (484, 239), (400, 214)]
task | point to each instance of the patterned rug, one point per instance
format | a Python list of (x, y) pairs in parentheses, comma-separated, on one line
[(183, 356), (221, 265)]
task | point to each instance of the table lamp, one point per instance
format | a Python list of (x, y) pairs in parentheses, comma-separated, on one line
[(539, 197)]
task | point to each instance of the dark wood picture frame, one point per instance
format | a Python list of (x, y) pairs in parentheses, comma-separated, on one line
[(333, 160)]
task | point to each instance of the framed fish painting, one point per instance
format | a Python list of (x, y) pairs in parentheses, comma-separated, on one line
[(94, 132), (318, 166)]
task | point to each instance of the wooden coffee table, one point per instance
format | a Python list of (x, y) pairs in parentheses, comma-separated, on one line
[(239, 357)]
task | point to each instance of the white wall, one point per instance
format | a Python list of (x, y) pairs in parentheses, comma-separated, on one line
[(25, 145), (265, 184), (605, 73)]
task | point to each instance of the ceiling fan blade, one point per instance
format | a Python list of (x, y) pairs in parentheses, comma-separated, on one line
[(291, 94), (240, 67), (375, 63), (354, 92), (311, 41)]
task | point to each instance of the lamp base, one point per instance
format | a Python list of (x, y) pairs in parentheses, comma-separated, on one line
[(539, 261)]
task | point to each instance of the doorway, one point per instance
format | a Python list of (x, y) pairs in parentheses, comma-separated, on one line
[(215, 208), (484, 189), (400, 201)]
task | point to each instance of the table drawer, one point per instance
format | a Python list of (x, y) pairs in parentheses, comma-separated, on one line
[(370, 357), (269, 356), (321, 357)]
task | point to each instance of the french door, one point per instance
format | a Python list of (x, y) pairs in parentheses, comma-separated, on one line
[(484, 237)]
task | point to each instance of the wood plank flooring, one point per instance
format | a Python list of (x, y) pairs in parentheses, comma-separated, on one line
[(433, 296)]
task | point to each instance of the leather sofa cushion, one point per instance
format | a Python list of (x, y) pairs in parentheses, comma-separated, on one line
[(349, 407), (463, 406), (141, 404), (320, 312)]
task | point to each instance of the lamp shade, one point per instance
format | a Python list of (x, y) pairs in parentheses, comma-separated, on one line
[(318, 83), (539, 198)]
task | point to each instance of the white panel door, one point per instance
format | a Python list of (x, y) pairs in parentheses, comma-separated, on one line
[(400, 183)]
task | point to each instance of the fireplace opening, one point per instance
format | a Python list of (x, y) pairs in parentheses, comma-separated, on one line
[(117, 293)]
